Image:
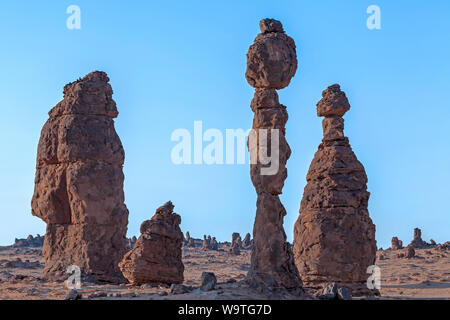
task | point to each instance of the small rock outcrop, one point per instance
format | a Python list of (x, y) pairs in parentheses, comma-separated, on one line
[(417, 241), (271, 64), (396, 244), (156, 256), (334, 237), (410, 253), (79, 183), (30, 241)]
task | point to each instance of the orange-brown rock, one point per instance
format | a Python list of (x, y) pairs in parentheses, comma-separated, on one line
[(417, 241), (334, 237), (79, 183), (271, 64), (156, 256), (396, 244)]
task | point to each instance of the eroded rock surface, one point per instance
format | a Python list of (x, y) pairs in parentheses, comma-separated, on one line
[(334, 237), (156, 256), (271, 64), (79, 183)]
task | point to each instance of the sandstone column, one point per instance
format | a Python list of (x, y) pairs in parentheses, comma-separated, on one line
[(334, 237), (271, 63), (79, 183)]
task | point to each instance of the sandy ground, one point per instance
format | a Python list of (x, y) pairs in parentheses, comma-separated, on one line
[(426, 276)]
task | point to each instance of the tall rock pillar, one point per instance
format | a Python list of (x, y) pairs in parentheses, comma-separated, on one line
[(271, 63), (334, 237)]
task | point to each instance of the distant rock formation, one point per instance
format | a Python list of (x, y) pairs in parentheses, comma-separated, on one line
[(236, 239), (396, 244), (209, 243), (156, 256), (131, 242), (79, 183), (271, 64), (334, 237), (214, 245), (30, 241), (410, 253), (417, 242), (206, 242), (247, 243)]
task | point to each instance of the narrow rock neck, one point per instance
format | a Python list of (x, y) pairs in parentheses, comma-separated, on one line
[(333, 128)]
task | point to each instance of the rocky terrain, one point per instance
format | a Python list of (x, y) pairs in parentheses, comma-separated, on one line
[(424, 276)]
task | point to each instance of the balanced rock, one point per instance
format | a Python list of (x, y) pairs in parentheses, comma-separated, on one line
[(334, 237), (396, 244), (79, 183), (271, 64), (156, 256)]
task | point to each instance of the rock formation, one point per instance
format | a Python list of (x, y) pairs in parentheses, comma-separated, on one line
[(79, 183), (131, 242), (334, 237), (30, 241), (410, 252), (187, 238), (396, 244), (417, 242), (247, 243), (271, 64), (213, 245), (156, 256), (236, 239), (206, 242)]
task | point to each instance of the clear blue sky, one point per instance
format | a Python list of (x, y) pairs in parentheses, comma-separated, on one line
[(173, 62)]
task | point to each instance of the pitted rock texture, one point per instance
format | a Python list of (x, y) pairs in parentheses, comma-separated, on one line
[(156, 256), (272, 58), (271, 64), (334, 237), (79, 183)]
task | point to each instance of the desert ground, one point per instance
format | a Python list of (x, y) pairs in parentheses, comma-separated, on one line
[(425, 276)]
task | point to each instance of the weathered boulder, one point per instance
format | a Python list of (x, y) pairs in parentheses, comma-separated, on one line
[(209, 281), (334, 237), (271, 64), (156, 256), (79, 183)]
